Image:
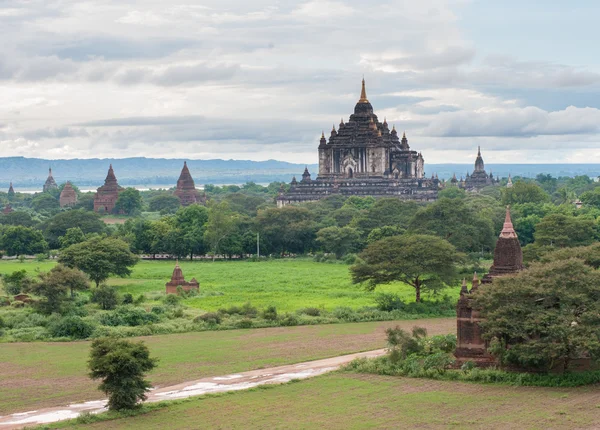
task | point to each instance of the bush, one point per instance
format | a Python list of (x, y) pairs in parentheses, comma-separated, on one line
[(106, 297), (270, 314), (127, 299), (246, 310), (172, 300), (210, 318), (128, 315), (158, 310), (289, 320), (73, 327), (244, 323), (350, 259), (313, 312), (40, 257), (388, 301)]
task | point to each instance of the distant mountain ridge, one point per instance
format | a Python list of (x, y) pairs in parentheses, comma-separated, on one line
[(31, 173)]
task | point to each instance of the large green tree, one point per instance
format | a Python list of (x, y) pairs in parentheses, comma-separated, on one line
[(287, 229), (545, 316), (339, 240), (57, 226), (18, 240), (164, 203), (100, 257), (129, 201), (121, 365), (222, 223), (524, 192), (54, 286), (565, 231), (425, 262)]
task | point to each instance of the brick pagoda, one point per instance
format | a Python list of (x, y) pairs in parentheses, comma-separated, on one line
[(68, 196), (50, 182), (178, 280), (186, 188), (107, 194), (508, 260)]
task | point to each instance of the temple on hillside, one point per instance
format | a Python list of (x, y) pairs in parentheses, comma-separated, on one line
[(364, 157), (50, 182), (11, 191), (479, 178), (107, 195), (186, 188), (68, 196), (178, 280), (508, 260)]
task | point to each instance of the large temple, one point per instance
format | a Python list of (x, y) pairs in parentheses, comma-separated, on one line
[(186, 188), (508, 260), (479, 178), (364, 157), (107, 195), (50, 183)]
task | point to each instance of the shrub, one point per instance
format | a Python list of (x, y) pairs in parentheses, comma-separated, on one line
[(129, 316), (244, 323), (210, 318), (172, 300), (140, 299), (289, 320), (388, 301), (106, 297), (73, 327), (346, 314), (127, 299), (17, 304), (246, 310), (270, 314), (350, 259), (1, 321), (158, 310), (313, 312), (40, 257)]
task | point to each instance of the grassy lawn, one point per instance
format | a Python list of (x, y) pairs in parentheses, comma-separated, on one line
[(351, 401), (287, 284), (38, 374)]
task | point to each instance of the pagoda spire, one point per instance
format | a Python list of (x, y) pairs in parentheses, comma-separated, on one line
[(363, 93), (508, 231)]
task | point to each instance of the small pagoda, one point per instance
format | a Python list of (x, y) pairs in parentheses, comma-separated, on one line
[(186, 190), (178, 280), (68, 196), (7, 209), (508, 260), (50, 182), (107, 195), (11, 191)]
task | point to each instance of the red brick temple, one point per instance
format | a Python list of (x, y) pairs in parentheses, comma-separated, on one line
[(186, 188), (178, 280), (7, 209), (107, 194), (68, 196), (50, 183), (508, 260)]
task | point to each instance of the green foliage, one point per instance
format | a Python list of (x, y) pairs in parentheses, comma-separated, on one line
[(545, 316), (18, 240), (565, 231), (57, 226), (379, 233), (16, 282), (427, 263), (210, 318), (121, 365), (129, 202), (127, 299), (164, 203), (73, 236), (222, 223), (44, 202), (107, 297), (270, 313), (55, 286), (339, 240), (128, 315), (524, 192), (73, 327), (100, 258), (288, 229)]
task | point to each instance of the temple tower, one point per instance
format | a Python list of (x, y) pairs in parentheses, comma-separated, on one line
[(11, 191), (186, 188), (508, 260), (50, 183), (68, 196), (107, 195), (178, 280)]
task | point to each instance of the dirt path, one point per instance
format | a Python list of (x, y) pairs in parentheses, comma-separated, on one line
[(239, 381)]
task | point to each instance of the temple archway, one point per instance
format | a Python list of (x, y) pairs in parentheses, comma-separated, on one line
[(350, 173)]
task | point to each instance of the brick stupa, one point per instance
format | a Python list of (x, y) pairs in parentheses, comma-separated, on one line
[(50, 182), (107, 194), (7, 209), (11, 191), (186, 188), (178, 280), (68, 196), (508, 260)]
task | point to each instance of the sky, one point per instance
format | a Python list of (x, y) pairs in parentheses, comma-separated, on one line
[(260, 80)]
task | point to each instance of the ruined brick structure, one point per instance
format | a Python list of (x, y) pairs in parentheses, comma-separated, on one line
[(178, 280), (364, 157), (479, 178), (186, 189), (68, 196), (508, 260), (107, 194), (7, 209), (50, 183)]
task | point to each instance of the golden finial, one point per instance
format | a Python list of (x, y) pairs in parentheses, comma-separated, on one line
[(363, 93), (322, 135)]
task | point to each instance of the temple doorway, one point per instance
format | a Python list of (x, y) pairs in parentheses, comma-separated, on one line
[(350, 173)]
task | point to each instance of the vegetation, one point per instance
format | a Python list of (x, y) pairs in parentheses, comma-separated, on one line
[(121, 365)]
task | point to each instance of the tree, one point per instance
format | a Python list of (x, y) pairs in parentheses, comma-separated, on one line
[(524, 192), (129, 201), (565, 231), (190, 223), (222, 223), (591, 198), (543, 317), (121, 365), (20, 240), (339, 240), (73, 236), (57, 226), (100, 257), (164, 203), (453, 220), (54, 286), (287, 229), (16, 282), (44, 202), (385, 231), (17, 218), (106, 297), (426, 263)]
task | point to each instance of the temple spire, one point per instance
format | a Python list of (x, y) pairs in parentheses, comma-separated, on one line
[(508, 231), (363, 93)]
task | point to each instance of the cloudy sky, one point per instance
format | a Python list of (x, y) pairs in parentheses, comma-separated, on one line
[(260, 79)]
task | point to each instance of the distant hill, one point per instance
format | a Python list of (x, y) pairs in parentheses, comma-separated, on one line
[(30, 173)]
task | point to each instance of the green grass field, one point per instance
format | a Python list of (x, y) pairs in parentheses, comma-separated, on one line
[(351, 401), (38, 374), (287, 284)]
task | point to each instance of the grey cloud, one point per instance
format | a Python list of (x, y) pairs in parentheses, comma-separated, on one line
[(55, 133)]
